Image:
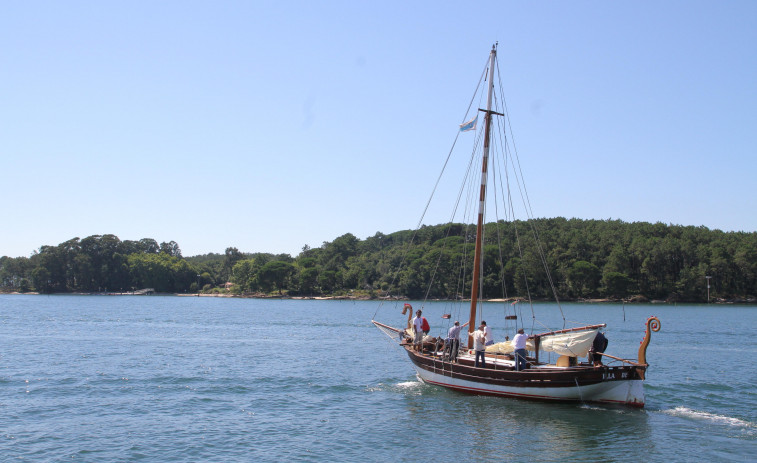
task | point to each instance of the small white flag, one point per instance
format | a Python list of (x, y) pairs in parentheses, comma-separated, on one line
[(470, 125)]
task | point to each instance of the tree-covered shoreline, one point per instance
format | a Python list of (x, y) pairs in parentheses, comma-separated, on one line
[(587, 259)]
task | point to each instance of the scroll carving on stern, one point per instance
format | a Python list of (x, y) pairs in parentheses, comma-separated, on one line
[(653, 324)]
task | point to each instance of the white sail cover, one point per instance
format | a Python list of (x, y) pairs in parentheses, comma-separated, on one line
[(573, 344), (506, 347), (411, 334)]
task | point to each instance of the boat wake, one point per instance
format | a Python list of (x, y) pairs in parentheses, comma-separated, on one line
[(409, 384), (402, 386), (711, 417), (606, 408)]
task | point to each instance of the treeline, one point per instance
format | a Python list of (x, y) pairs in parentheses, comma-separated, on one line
[(585, 259)]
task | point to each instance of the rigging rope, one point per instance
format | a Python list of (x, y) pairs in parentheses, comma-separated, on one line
[(520, 179), (433, 192)]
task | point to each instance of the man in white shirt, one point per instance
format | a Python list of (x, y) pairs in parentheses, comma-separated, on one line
[(488, 334), (418, 332), (479, 345), (519, 344)]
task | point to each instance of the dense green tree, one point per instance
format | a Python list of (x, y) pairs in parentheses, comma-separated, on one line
[(327, 280), (616, 284), (275, 275), (162, 272), (148, 246), (171, 248), (308, 280), (245, 274), (41, 280), (13, 270), (232, 256), (583, 278)]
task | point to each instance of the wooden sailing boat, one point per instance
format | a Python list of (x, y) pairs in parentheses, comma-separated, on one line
[(568, 378)]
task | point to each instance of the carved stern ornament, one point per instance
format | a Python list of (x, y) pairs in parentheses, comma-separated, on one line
[(653, 324)]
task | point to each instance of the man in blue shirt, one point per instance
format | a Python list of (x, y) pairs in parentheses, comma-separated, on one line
[(452, 345)]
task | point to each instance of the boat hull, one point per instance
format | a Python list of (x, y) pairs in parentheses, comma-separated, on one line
[(611, 385)]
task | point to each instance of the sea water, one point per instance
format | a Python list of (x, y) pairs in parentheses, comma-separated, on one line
[(153, 378)]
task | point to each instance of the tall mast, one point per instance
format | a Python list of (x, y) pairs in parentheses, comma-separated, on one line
[(477, 264)]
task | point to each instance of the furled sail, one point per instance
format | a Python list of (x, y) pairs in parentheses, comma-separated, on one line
[(506, 347), (573, 344)]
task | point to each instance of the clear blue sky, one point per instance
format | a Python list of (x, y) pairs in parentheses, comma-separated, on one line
[(271, 125)]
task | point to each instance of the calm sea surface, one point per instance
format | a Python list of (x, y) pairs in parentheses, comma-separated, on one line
[(99, 378)]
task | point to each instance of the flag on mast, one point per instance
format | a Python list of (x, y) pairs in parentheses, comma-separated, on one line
[(470, 125)]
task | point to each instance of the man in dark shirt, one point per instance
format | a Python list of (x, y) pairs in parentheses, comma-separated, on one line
[(597, 348)]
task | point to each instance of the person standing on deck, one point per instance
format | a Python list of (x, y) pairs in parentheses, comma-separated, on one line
[(597, 349), (425, 326), (418, 331), (519, 344), (479, 345), (488, 334), (452, 345)]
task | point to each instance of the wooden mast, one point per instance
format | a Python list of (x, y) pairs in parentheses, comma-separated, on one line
[(477, 263)]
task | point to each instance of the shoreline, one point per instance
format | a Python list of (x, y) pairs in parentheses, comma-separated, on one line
[(632, 300)]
